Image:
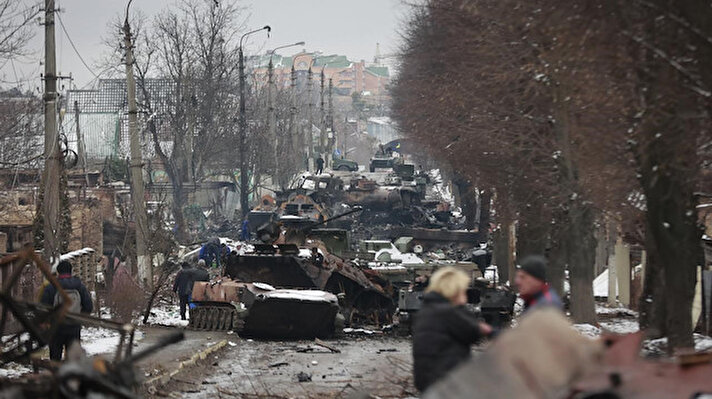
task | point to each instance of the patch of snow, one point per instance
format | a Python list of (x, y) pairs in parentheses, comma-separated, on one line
[(658, 347), (358, 331), (618, 311), (620, 326), (588, 330), (97, 341), (393, 255), (14, 370), (301, 295), (166, 315), (263, 286)]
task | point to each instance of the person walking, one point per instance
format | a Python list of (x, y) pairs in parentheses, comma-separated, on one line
[(444, 329), (183, 286), (532, 285), (69, 331), (319, 165)]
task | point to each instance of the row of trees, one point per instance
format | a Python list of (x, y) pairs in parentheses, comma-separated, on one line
[(567, 112)]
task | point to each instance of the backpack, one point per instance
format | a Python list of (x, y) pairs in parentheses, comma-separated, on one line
[(74, 296)]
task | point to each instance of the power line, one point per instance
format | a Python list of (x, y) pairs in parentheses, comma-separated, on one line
[(75, 47)]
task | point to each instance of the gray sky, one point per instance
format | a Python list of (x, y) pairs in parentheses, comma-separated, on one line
[(333, 26)]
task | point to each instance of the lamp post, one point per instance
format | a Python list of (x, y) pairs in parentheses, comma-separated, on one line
[(272, 119), (244, 180), (309, 136)]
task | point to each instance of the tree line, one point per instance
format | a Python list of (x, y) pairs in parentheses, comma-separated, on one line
[(568, 113)]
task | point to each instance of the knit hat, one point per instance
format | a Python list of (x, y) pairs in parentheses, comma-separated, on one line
[(535, 266)]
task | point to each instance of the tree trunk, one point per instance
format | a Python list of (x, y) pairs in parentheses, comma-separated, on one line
[(179, 200), (485, 203), (502, 251), (581, 254), (673, 249), (557, 261), (653, 311), (532, 232)]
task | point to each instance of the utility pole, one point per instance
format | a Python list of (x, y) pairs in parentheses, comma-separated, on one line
[(81, 148), (244, 178), (332, 139), (310, 122), (293, 112), (322, 117), (143, 260), (52, 155), (272, 121)]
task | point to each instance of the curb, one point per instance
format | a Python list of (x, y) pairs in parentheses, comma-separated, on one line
[(163, 379)]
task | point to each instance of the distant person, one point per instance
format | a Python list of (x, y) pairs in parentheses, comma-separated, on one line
[(200, 273), (183, 286), (245, 230), (69, 331), (444, 329), (317, 258), (482, 257), (319, 165), (532, 285), (210, 252)]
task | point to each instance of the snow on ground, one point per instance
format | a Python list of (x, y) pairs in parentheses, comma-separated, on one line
[(166, 315), (617, 311), (14, 370), (99, 341), (658, 347)]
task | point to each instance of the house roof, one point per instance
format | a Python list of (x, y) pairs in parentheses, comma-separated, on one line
[(380, 71)]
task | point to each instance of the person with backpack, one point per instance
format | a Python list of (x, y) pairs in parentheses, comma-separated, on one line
[(68, 331)]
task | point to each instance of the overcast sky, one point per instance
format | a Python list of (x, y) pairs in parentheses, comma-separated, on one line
[(350, 27)]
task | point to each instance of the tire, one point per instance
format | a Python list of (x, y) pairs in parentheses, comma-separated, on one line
[(343, 168)]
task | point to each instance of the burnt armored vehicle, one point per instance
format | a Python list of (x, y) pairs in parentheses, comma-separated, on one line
[(260, 310), (491, 302), (362, 298)]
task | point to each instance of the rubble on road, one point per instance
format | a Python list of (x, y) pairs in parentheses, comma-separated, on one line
[(79, 375)]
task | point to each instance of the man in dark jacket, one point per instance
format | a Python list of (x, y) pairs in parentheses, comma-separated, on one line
[(444, 329), (532, 286), (183, 286), (319, 165), (200, 273), (67, 332)]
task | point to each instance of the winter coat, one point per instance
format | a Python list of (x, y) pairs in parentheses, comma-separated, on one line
[(69, 282), (200, 274), (544, 298), (442, 336), (183, 284)]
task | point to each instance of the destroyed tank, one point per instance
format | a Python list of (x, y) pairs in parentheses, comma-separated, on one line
[(260, 310), (491, 302), (372, 196), (288, 266)]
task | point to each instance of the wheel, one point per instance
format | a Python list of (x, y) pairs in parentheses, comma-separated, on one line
[(343, 168)]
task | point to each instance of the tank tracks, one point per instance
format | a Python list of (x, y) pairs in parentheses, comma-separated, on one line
[(215, 318)]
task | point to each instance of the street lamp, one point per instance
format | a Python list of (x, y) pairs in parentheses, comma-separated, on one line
[(244, 182), (271, 120)]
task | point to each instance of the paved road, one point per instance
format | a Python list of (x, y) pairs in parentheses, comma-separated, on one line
[(257, 369)]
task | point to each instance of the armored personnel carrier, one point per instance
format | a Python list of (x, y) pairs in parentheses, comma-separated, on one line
[(260, 310)]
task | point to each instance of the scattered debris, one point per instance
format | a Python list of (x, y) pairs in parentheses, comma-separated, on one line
[(304, 377), (325, 345)]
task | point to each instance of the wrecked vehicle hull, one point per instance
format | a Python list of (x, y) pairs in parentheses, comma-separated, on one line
[(259, 310), (291, 314), (362, 299)]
